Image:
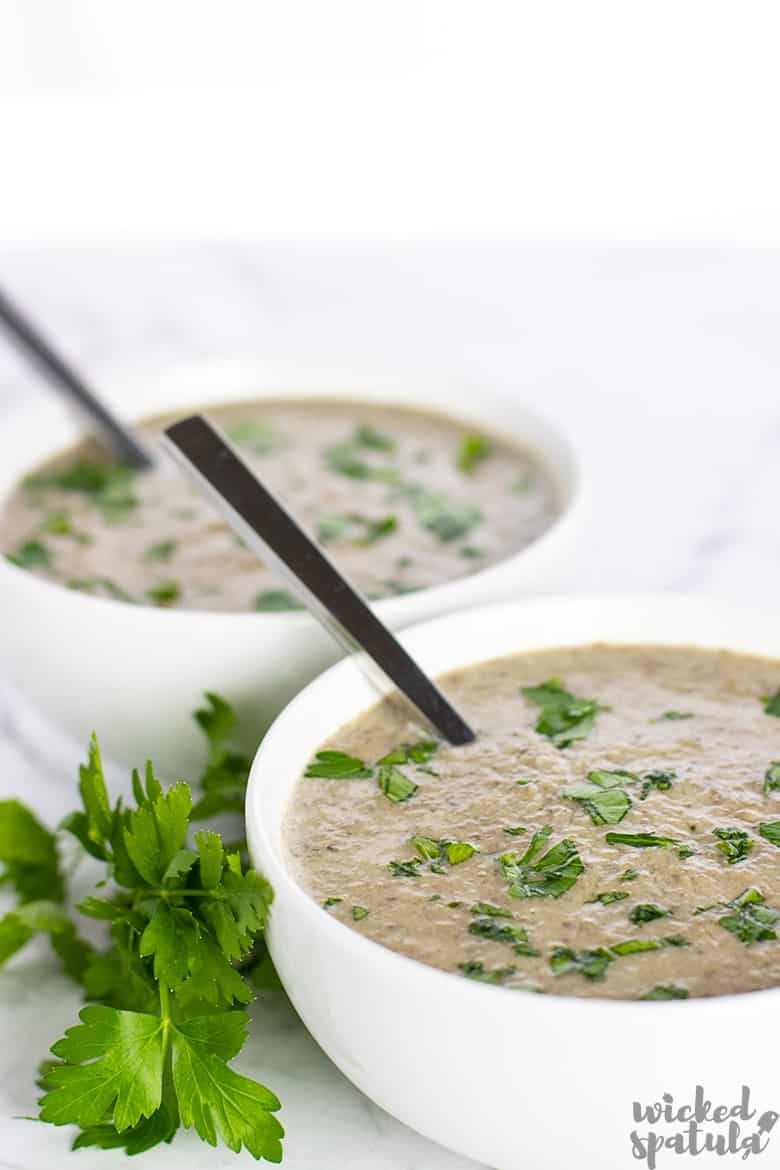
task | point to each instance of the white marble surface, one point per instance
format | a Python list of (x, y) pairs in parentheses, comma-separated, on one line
[(665, 366)]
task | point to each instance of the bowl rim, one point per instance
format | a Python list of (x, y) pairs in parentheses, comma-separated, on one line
[(320, 380), (358, 948)]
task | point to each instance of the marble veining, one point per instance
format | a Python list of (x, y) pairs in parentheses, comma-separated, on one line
[(663, 364)]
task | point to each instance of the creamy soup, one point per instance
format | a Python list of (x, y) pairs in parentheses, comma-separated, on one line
[(401, 499), (614, 830)]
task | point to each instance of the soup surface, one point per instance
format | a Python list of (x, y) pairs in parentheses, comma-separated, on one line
[(401, 499), (614, 830)]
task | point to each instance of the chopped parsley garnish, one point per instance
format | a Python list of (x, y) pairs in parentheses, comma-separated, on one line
[(647, 912), (32, 554), (473, 450), (772, 778), (434, 854), (514, 830), (662, 781), (359, 530), (608, 897), (369, 437), (164, 592), (752, 921), (503, 932), (489, 910), (638, 946), (60, 524), (109, 587), (770, 830), (602, 798), (108, 485), (474, 969), (254, 434), (564, 717), (330, 902), (330, 765), (447, 519), (667, 991), (536, 873), (471, 552), (160, 552), (411, 753), (359, 913), (225, 778), (350, 457), (734, 844), (394, 784), (591, 964), (772, 703), (673, 716), (275, 601), (641, 840), (629, 875)]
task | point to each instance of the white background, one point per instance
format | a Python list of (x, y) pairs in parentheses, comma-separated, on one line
[(606, 119)]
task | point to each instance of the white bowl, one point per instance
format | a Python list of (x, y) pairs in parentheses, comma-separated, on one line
[(136, 673), (509, 1078)]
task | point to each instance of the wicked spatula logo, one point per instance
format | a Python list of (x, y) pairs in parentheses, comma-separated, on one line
[(699, 1126)]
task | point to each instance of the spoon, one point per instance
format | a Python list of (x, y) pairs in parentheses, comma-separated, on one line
[(40, 353), (269, 530)]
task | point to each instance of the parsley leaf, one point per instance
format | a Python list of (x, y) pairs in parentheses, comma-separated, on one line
[(660, 780), (394, 784), (592, 964), (275, 601), (447, 519), (162, 551), (164, 592), (772, 703), (474, 969), (608, 897), (32, 554), (629, 875), (770, 830), (411, 753), (472, 451), (564, 717), (109, 486), (225, 778), (503, 932), (647, 912), (734, 844), (28, 855), (537, 873), (601, 798), (673, 717), (751, 920), (331, 765), (772, 778), (667, 991), (361, 531), (255, 434), (641, 840), (489, 910)]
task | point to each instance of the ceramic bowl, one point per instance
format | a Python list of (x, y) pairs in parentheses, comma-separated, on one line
[(135, 673), (509, 1078)]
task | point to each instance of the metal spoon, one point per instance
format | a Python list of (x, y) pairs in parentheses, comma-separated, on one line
[(267, 528), (126, 445)]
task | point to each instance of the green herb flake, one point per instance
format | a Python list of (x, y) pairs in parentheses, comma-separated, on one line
[(164, 593), (734, 844), (409, 868), (608, 897), (772, 703), (604, 805), (564, 717), (32, 554), (109, 486), (661, 781), (411, 753), (641, 840), (361, 531), (369, 437), (100, 585), (514, 830), (751, 920), (647, 912), (537, 873), (474, 969), (359, 913), (591, 964), (330, 902), (394, 784), (163, 551), (663, 991), (629, 875), (770, 831), (331, 765), (447, 519), (255, 435), (503, 932), (473, 450), (772, 778), (275, 601), (490, 910), (672, 716)]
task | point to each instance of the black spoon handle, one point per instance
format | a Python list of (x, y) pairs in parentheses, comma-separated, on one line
[(259, 518), (124, 443)]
